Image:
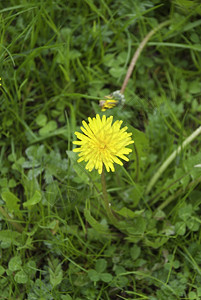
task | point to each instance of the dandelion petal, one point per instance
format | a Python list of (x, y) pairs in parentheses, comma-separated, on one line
[(103, 143)]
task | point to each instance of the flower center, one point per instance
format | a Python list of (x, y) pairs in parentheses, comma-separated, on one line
[(102, 147)]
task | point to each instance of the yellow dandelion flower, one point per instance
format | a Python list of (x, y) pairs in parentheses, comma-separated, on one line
[(108, 104), (102, 143), (116, 98)]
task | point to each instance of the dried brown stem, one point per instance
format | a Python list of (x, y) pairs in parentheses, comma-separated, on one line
[(138, 52)]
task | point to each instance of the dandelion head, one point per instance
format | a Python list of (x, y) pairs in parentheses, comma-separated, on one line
[(102, 143)]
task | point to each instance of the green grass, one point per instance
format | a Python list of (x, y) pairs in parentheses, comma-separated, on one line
[(58, 59)]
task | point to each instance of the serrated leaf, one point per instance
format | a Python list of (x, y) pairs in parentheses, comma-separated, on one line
[(82, 174), (55, 271), (56, 276), (137, 227), (100, 228), (30, 164), (33, 173), (10, 236), (34, 200), (31, 152), (127, 213), (158, 242), (12, 203)]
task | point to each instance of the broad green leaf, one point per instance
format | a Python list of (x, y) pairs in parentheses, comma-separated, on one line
[(199, 291), (109, 60), (101, 265), (193, 224), (192, 296), (121, 58), (93, 275), (185, 212), (122, 281), (159, 215), (30, 268), (119, 269), (34, 200), (41, 120), (15, 263), (180, 228), (135, 252), (3, 182), (195, 87), (12, 203), (21, 277), (116, 72), (12, 183), (49, 127), (18, 164), (106, 277), (5, 245), (185, 3), (73, 54), (176, 264), (2, 270), (66, 297)]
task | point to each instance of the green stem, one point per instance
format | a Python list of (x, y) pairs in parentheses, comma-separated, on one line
[(137, 163), (178, 193), (105, 202), (17, 226), (171, 158)]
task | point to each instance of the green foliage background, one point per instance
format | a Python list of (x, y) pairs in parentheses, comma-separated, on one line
[(58, 59)]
